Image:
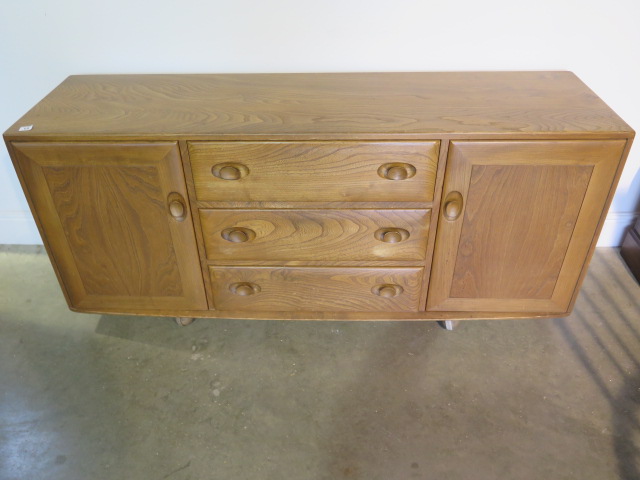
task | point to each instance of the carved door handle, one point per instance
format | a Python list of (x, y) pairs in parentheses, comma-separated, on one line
[(177, 206), (452, 207)]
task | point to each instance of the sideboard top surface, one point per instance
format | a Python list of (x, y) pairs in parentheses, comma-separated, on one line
[(326, 105)]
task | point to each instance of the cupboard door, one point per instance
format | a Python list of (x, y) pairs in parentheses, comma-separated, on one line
[(117, 222), (517, 221)]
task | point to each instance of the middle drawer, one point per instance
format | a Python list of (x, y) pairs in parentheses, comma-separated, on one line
[(315, 234)]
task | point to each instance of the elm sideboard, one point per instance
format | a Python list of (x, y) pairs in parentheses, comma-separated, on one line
[(355, 196)]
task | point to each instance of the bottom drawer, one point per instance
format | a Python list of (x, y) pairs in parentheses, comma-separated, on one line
[(316, 289)]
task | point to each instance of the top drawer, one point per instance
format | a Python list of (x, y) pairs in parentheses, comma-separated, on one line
[(314, 171)]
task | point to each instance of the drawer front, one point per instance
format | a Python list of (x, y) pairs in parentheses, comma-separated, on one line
[(314, 171), (316, 289), (315, 234)]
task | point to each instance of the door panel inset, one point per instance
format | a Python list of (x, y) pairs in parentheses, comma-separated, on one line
[(530, 210), (547, 199), (104, 211)]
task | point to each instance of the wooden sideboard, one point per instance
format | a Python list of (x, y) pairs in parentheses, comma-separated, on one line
[(355, 196)]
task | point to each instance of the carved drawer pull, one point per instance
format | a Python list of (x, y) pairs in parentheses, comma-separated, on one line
[(387, 290), (244, 289), (238, 234), (177, 207), (391, 235), (396, 171), (229, 171), (452, 206)]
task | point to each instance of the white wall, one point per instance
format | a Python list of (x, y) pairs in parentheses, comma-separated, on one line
[(42, 42)]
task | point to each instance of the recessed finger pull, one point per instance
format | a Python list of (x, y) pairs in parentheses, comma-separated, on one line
[(244, 289), (229, 171), (238, 234), (391, 235), (452, 206), (396, 171), (177, 206), (387, 290)]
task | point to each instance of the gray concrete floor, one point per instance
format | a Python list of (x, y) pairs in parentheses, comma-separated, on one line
[(116, 397)]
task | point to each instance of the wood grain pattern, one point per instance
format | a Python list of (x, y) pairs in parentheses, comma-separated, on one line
[(316, 263), (529, 217), (601, 216), (188, 177), (321, 315), (108, 222), (308, 205), (99, 209), (327, 235), (314, 171), (435, 211), (316, 289), (547, 199), (535, 155), (350, 105)]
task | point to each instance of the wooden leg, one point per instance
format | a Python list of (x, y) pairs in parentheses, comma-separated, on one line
[(448, 324), (184, 321)]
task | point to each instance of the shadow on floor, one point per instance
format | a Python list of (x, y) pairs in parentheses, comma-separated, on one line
[(410, 400), (607, 315), (155, 331)]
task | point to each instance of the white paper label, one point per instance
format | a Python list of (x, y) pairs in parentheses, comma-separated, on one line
[(26, 128)]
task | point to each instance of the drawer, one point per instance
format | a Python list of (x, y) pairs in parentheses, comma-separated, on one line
[(315, 234), (316, 289), (314, 171)]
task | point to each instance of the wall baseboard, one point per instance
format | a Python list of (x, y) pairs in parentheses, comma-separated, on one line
[(18, 228), (614, 228)]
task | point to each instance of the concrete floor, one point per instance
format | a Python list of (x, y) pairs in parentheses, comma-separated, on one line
[(115, 397)]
